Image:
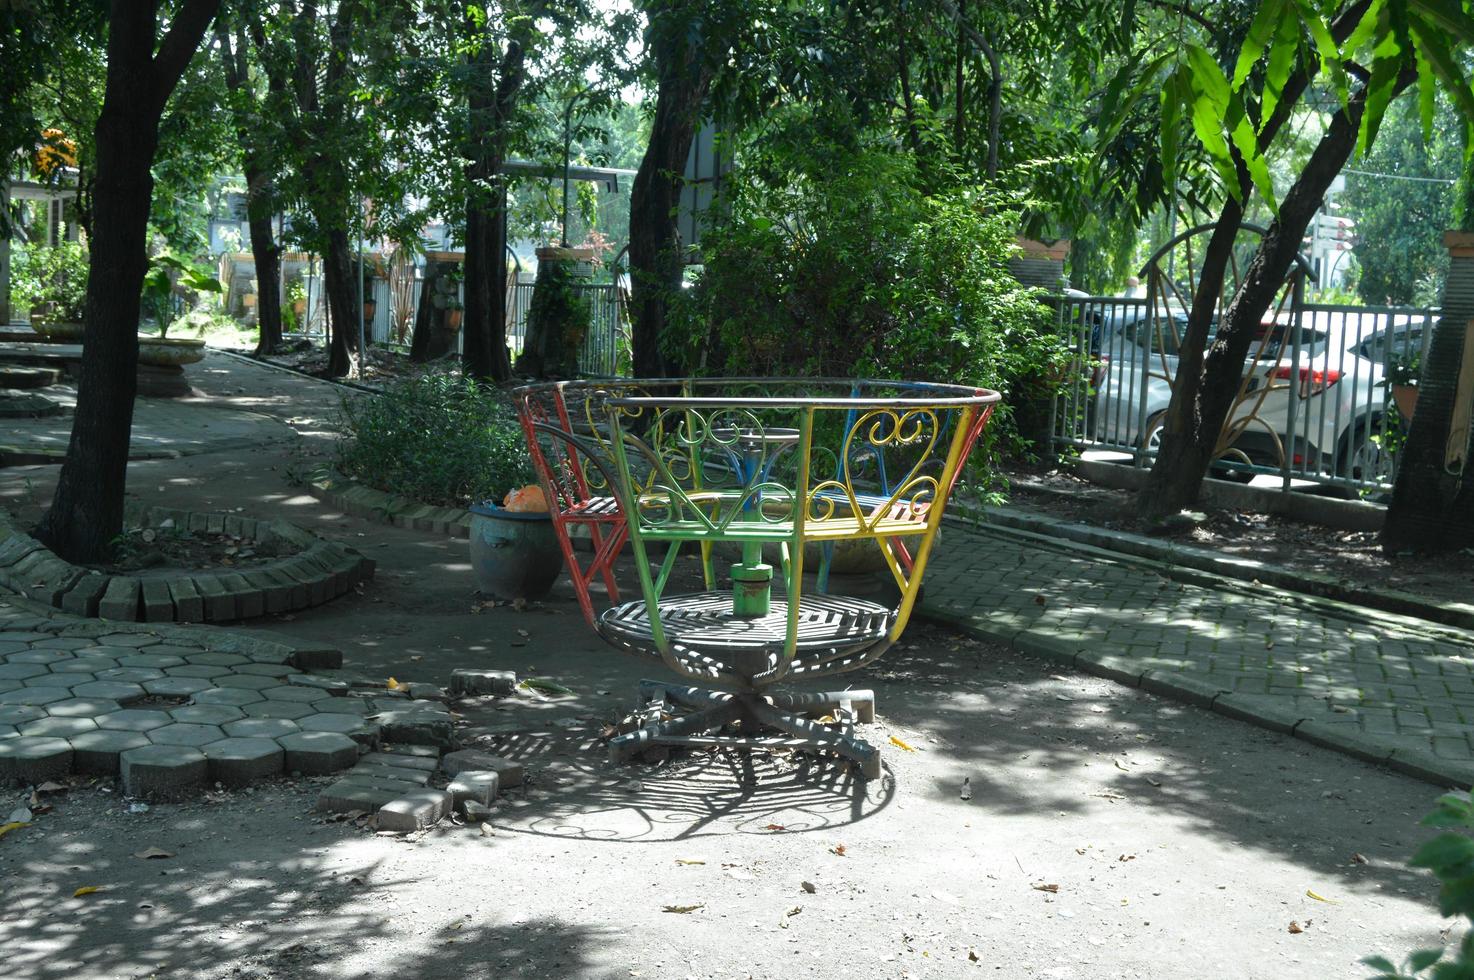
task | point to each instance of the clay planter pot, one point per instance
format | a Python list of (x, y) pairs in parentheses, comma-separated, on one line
[(169, 352), (1405, 397), (370, 307), (59, 331), (453, 319), (515, 555)]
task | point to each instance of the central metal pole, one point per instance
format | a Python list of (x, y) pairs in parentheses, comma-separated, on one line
[(567, 153)]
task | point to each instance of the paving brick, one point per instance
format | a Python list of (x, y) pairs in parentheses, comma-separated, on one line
[(35, 696), (386, 778), (275, 596), (399, 760), (266, 670), (219, 603), (473, 760), (346, 796), (414, 811), (214, 658), (261, 728), (60, 727), (466, 681), (291, 710), (334, 687), (124, 694), (189, 606), (241, 761), (235, 697), (19, 672), (96, 753), (470, 785), (121, 600), (82, 598), (354, 726), (150, 661), (298, 693), (18, 714), (34, 759), (318, 753), (249, 682), (158, 604), (205, 671), (163, 772), (415, 726), (206, 714), (67, 681), (177, 686), (134, 720), (182, 733)]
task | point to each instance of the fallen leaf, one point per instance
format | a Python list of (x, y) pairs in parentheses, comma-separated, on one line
[(1152, 781), (394, 685), (1052, 889), (86, 890), (900, 744), (1120, 766), (49, 787), (838, 850), (355, 880), (1040, 600), (973, 957), (775, 826), (966, 788), (1321, 898), (6, 828), (1358, 858), (808, 886), (1295, 928), (689, 861), (794, 911), (153, 852), (681, 909)]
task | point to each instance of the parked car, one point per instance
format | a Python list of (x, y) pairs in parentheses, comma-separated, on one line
[(1318, 398)]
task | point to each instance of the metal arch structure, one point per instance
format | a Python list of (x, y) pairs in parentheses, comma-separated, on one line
[(760, 468), (1258, 381)]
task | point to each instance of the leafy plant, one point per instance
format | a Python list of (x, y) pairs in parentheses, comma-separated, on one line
[(165, 270), (438, 438), (558, 320), (53, 277), (1451, 859)]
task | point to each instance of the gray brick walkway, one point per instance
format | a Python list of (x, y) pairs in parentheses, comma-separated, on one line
[(1383, 688)]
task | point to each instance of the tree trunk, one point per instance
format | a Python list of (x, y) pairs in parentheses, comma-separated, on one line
[(267, 255), (484, 342), (1196, 418), (342, 296), (656, 262), (433, 337), (86, 513), (1432, 509)]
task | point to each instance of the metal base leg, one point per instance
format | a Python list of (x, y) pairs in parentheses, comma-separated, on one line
[(712, 711)]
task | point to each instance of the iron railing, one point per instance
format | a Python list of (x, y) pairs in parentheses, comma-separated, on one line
[(1315, 405)]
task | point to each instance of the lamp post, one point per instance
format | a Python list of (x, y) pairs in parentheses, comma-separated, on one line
[(567, 152)]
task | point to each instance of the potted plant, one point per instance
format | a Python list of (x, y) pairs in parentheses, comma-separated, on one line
[(514, 551), (166, 274), (454, 311), (1402, 382), (559, 316), (52, 281), (370, 301), (297, 304)]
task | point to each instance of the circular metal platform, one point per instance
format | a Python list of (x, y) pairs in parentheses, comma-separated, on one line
[(703, 622)]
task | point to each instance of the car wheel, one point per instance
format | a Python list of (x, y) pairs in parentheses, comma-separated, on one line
[(1362, 458), (1151, 440)]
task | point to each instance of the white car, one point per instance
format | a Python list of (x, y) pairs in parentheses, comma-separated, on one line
[(1321, 403)]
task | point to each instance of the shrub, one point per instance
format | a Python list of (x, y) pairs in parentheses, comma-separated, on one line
[(437, 438), (55, 276), (860, 273)]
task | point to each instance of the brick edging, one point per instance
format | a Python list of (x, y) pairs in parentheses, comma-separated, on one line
[(360, 500), (320, 571)]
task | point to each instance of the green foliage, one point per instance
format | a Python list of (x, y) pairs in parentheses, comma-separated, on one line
[(558, 320), (54, 277), (165, 272), (1451, 859), (438, 438), (1400, 223), (862, 274)]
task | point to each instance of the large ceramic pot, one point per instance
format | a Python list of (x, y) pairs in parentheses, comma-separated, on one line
[(170, 352), (515, 555), (59, 331)]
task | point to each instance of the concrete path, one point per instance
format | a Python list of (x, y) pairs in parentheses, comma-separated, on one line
[(1385, 688)]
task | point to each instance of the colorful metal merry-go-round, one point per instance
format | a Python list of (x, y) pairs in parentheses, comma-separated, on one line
[(772, 476)]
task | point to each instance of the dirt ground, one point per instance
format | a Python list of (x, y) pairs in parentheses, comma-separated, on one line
[(1043, 824), (1355, 556)]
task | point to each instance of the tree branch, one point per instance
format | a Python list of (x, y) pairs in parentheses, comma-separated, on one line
[(180, 44)]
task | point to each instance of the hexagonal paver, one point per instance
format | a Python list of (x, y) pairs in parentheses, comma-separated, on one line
[(35, 696), (82, 707), (206, 714), (238, 761), (134, 720), (236, 697), (130, 675), (348, 706), (96, 753), (356, 727), (163, 772), (19, 672), (278, 709), (217, 659), (182, 733), (83, 665), (150, 661), (38, 657), (112, 690), (249, 682), (261, 728), (265, 670), (111, 651), (68, 643), (176, 686), (9, 731), (57, 680), (121, 639), (60, 727), (304, 695), (192, 670), (318, 753), (174, 650), (19, 714), (34, 758)]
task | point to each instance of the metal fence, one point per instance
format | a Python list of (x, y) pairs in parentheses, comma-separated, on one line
[(1315, 404)]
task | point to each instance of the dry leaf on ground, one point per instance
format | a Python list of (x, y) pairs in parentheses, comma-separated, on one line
[(681, 909), (901, 745), (1295, 928), (1051, 888), (153, 852), (86, 890), (838, 850), (6, 828)]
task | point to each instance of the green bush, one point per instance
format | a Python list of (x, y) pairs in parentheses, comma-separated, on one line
[(54, 276), (437, 438), (858, 272)]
